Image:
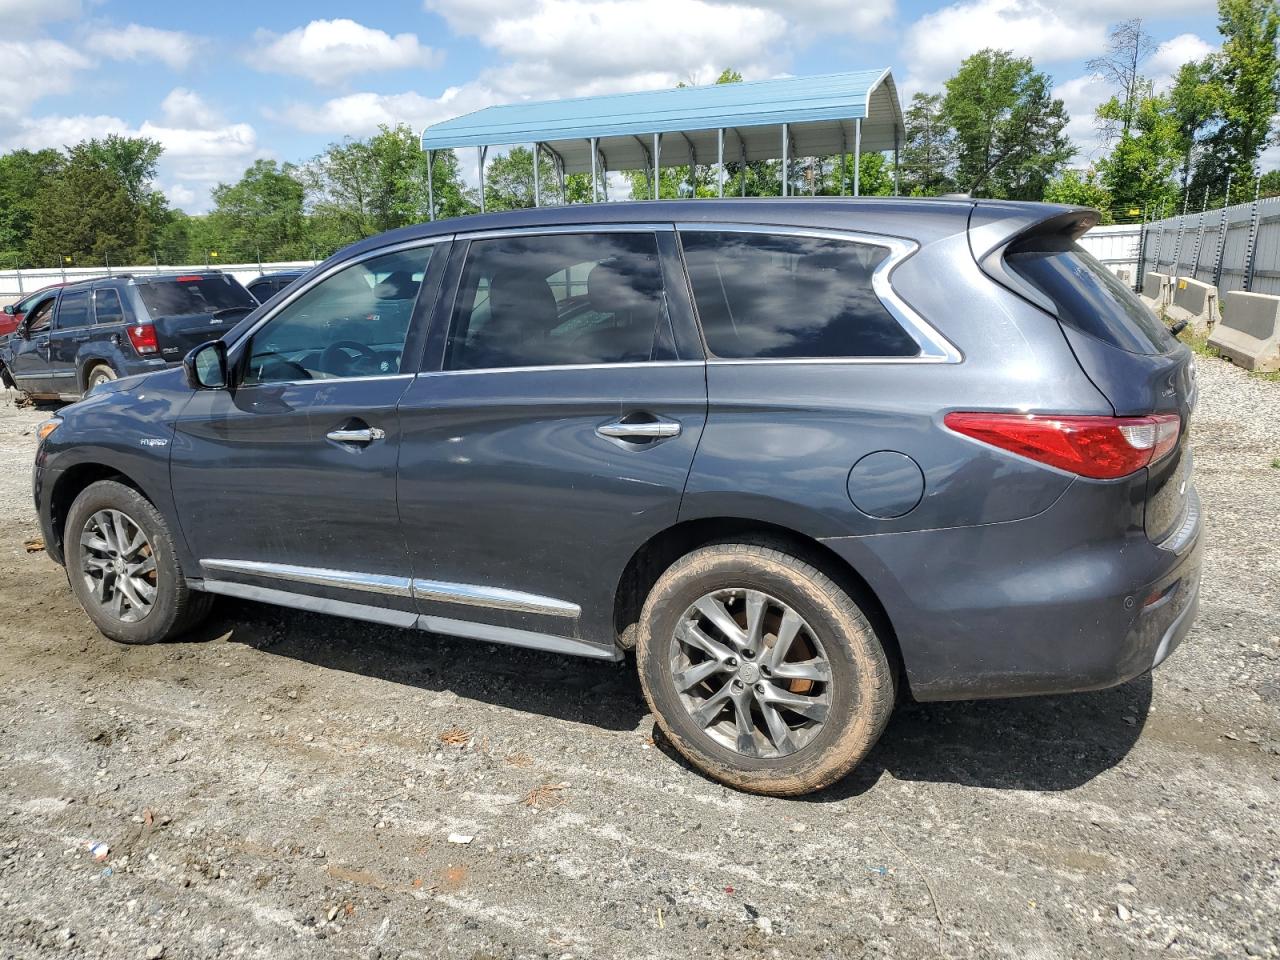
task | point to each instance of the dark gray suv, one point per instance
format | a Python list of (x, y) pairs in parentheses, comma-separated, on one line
[(798, 454)]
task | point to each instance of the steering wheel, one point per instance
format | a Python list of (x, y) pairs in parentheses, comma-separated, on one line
[(277, 361), (333, 356)]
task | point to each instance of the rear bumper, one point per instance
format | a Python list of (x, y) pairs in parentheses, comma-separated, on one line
[(1036, 606)]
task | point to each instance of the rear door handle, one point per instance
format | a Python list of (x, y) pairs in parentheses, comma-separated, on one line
[(653, 428), (361, 435)]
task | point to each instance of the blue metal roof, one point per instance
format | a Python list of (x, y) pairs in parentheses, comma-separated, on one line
[(837, 98)]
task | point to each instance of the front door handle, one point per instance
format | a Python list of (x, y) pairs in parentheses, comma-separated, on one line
[(651, 428), (361, 435)]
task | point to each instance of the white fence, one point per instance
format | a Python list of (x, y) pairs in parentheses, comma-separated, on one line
[(15, 284), (1116, 245)]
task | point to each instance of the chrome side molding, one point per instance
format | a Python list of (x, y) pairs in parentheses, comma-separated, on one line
[(440, 591), (494, 597)]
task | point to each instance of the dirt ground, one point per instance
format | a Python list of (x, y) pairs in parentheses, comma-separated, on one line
[(286, 786)]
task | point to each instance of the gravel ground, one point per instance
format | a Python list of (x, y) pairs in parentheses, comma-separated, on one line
[(286, 786)]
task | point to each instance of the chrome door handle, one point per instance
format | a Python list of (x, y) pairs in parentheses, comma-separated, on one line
[(363, 435), (639, 430)]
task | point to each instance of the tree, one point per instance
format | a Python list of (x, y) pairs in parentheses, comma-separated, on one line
[(929, 151), (86, 213), (1192, 104), (1138, 173), (24, 174), (1009, 130), (1246, 79), (1128, 47), (1270, 186), (133, 160), (261, 215), (508, 180), (1082, 190)]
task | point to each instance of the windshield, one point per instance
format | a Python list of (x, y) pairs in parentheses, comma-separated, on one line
[(186, 296)]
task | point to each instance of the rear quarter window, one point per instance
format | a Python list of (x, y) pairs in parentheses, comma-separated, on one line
[(1088, 296), (778, 296)]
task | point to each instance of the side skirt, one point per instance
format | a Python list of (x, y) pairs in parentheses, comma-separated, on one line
[(401, 618)]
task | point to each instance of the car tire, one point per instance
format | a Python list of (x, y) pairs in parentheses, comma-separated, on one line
[(99, 374), (106, 567), (820, 728)]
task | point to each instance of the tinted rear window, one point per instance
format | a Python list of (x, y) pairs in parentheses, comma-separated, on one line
[(73, 310), (765, 295), (1089, 297), (181, 298)]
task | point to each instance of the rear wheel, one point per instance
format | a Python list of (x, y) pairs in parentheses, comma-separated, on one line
[(100, 374), (123, 568), (761, 670)]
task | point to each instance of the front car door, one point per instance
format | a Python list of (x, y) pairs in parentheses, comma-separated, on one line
[(286, 483), (29, 346), (551, 433)]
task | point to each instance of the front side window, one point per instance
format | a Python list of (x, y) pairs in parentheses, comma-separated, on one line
[(352, 324), (560, 299), (106, 307), (765, 296), (73, 311), (40, 316)]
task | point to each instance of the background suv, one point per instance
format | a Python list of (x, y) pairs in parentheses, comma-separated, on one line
[(79, 335), (797, 454)]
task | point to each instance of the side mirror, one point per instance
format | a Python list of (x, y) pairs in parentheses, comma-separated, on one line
[(8, 308), (206, 366)]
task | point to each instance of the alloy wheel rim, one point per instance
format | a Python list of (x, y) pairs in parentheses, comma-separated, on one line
[(118, 564), (751, 673)]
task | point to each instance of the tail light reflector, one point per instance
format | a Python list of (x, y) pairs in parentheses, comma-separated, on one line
[(143, 338), (1102, 448)]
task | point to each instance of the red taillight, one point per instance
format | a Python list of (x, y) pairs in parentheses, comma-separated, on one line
[(191, 279), (1102, 448), (143, 338)]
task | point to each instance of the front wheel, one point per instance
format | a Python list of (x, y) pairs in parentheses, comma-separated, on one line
[(761, 670), (123, 568)]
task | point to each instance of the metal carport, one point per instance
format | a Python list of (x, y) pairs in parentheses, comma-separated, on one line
[(760, 120)]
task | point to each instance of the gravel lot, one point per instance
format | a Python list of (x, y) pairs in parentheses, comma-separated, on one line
[(286, 785)]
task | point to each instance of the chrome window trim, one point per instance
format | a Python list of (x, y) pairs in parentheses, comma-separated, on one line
[(323, 381), (636, 364), (319, 576), (498, 233), (494, 597), (329, 272), (934, 347)]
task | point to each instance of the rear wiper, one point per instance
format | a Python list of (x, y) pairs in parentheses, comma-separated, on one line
[(219, 312)]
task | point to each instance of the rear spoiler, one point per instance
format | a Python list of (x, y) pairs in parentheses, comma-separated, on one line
[(995, 227)]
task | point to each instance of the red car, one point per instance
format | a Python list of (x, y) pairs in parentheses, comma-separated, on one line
[(14, 312)]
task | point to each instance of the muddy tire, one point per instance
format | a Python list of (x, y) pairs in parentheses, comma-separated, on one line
[(98, 374), (761, 671), (123, 568)]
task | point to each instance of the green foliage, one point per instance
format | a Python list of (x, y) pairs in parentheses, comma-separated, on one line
[(86, 213), (1138, 173), (1009, 131), (260, 217), (929, 151), (1270, 186), (1082, 190), (508, 180), (1245, 82), (23, 175), (132, 160)]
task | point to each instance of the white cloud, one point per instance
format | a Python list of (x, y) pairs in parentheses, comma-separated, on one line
[(937, 42), (31, 69), (1081, 96), (828, 16), (1172, 54), (144, 45), (330, 51), (183, 107), (578, 47), (19, 15)]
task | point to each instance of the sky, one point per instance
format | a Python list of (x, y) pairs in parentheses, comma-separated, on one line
[(220, 85)]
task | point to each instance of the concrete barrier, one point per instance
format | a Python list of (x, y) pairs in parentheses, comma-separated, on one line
[(1155, 286), (1194, 302), (1249, 332)]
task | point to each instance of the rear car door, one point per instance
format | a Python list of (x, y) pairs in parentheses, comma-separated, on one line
[(287, 481), (29, 348), (553, 434), (71, 330)]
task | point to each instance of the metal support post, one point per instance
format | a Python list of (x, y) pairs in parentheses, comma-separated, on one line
[(595, 174), (480, 152), (431, 190), (785, 165), (857, 157), (1254, 219), (537, 177), (657, 164), (720, 162), (1222, 234)]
